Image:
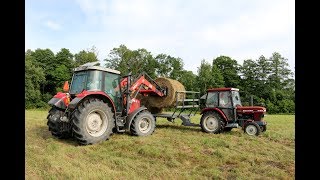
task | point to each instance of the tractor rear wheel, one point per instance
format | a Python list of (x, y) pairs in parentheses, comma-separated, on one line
[(93, 122), (252, 129), (143, 124), (211, 122), (58, 128)]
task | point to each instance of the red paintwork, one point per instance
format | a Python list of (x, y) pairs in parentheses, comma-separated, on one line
[(256, 110), (87, 93), (64, 97), (134, 105), (147, 86), (123, 83), (215, 109), (219, 89), (246, 122), (60, 95)]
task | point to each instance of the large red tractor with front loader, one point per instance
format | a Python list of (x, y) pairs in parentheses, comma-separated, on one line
[(223, 111), (100, 102)]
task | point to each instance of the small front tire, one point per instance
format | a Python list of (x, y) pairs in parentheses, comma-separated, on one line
[(263, 128), (143, 124), (252, 129)]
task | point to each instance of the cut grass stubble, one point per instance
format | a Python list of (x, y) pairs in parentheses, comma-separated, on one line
[(172, 152)]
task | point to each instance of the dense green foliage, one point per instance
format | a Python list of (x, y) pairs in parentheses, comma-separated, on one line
[(268, 81)]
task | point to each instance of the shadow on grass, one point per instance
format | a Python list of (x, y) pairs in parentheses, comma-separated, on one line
[(181, 128), (45, 134)]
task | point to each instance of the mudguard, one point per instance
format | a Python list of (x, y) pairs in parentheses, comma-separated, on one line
[(97, 94), (131, 116), (60, 100), (217, 110)]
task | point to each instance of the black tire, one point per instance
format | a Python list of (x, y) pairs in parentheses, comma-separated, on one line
[(143, 124), (227, 129), (93, 122), (263, 128), (56, 127), (211, 122), (252, 129)]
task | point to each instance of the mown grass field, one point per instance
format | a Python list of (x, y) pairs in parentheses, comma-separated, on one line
[(172, 152)]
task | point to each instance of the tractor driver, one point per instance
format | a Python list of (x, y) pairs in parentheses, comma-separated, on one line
[(224, 99)]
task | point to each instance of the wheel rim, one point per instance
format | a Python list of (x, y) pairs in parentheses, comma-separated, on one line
[(96, 123), (144, 125), (211, 123), (251, 130)]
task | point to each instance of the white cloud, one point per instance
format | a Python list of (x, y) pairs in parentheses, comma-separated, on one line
[(191, 30), (53, 25)]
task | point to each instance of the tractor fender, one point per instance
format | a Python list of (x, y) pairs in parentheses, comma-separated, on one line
[(60, 100), (260, 123), (132, 115), (91, 94), (215, 110)]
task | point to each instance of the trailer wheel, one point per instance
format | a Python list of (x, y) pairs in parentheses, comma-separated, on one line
[(58, 129), (143, 124), (93, 122), (211, 122), (252, 129)]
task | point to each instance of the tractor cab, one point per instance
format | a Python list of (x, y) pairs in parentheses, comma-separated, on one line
[(225, 104)]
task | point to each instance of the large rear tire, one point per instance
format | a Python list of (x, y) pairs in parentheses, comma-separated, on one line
[(143, 124), (211, 122), (93, 122), (58, 128)]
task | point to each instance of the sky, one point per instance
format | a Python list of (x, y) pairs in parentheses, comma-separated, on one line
[(192, 30)]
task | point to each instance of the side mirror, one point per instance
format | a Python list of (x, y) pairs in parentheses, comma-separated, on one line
[(66, 86)]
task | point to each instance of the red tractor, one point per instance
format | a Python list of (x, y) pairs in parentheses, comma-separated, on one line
[(100, 102), (223, 111)]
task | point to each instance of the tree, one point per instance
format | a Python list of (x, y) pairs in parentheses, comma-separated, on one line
[(188, 79), (204, 78), (136, 61), (229, 69), (34, 76), (217, 77), (169, 66), (280, 72), (85, 56)]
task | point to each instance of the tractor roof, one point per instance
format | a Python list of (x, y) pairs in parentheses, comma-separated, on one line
[(222, 89), (84, 68)]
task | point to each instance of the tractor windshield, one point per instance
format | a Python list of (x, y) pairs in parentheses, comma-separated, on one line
[(78, 82), (86, 80)]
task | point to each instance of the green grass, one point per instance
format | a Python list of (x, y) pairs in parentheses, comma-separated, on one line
[(172, 152)]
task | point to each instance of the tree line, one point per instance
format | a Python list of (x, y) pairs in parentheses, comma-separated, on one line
[(268, 80)]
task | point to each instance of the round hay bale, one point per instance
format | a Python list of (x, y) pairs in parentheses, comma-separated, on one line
[(169, 100)]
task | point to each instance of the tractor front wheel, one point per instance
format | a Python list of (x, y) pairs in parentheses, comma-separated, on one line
[(143, 124), (211, 122), (252, 129), (93, 122), (58, 128), (263, 128)]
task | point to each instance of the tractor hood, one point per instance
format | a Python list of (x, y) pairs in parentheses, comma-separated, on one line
[(244, 109)]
